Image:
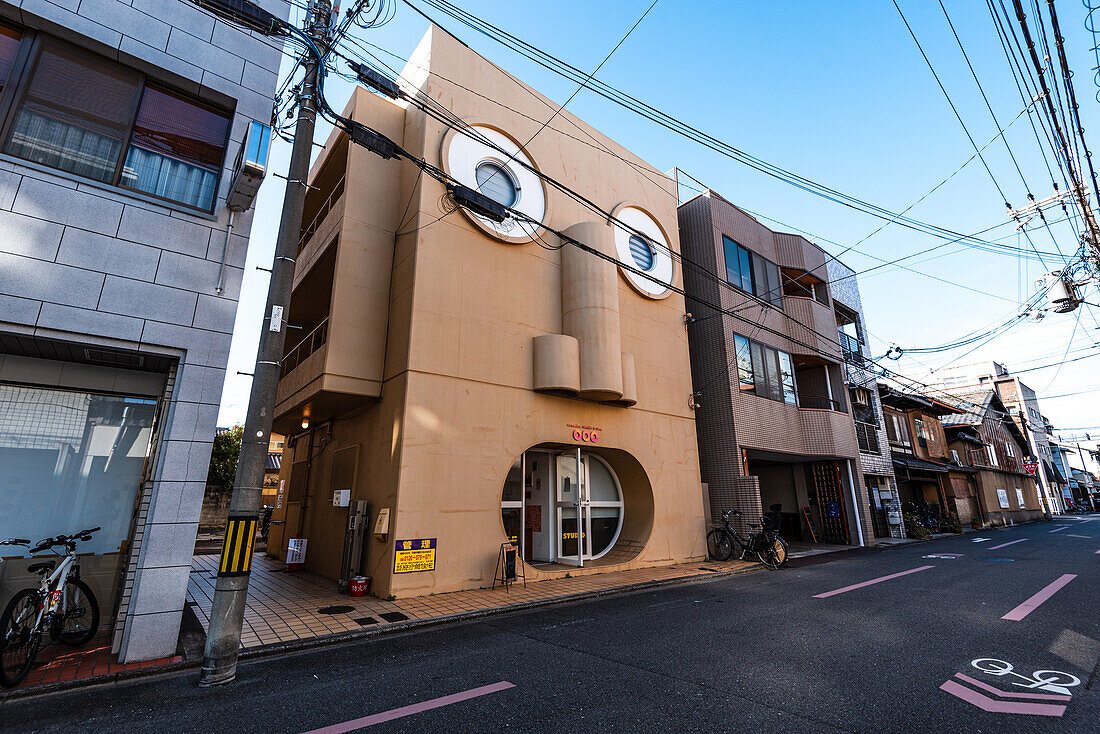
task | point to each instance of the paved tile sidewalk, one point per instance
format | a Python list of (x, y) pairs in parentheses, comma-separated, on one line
[(285, 606), (58, 663)]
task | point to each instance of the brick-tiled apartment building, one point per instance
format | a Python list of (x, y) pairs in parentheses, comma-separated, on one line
[(772, 414), (120, 122)]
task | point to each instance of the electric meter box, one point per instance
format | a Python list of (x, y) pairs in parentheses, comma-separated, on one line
[(251, 167)]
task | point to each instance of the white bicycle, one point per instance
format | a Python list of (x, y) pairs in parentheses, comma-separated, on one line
[(62, 604)]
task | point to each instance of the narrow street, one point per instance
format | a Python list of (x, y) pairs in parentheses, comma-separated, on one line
[(813, 648)]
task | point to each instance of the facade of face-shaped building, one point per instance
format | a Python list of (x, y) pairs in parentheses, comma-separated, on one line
[(479, 382)]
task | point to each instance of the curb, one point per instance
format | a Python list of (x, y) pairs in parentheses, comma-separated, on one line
[(288, 647)]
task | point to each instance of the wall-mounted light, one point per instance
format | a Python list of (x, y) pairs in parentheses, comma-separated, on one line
[(305, 421)]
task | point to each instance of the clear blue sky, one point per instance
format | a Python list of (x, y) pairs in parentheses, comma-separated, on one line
[(836, 92)]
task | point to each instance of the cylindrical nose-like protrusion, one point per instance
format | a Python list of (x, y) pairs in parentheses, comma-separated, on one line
[(590, 310)]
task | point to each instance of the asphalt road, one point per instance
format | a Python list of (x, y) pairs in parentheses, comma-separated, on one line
[(760, 652)]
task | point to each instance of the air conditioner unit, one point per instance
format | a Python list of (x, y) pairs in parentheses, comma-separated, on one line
[(250, 168)]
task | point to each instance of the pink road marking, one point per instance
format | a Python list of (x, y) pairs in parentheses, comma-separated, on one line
[(1002, 545), (879, 580), (1003, 707), (1058, 530), (1011, 694), (1045, 593), (415, 708)]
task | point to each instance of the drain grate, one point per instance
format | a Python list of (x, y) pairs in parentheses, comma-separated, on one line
[(393, 616), (364, 621), (338, 609)]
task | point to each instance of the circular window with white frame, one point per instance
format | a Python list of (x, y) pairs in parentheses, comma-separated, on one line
[(490, 162), (643, 250)]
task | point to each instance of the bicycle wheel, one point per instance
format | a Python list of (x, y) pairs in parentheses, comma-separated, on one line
[(775, 554), (19, 639), (78, 622), (719, 545)]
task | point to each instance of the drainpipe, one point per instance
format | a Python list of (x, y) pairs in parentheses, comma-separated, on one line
[(225, 253), (855, 502)]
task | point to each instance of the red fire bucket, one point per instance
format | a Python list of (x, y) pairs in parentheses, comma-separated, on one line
[(358, 585)]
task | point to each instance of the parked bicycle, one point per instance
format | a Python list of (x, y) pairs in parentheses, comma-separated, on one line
[(765, 544), (62, 605)]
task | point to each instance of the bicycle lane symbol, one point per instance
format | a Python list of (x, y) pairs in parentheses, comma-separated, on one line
[(1024, 699)]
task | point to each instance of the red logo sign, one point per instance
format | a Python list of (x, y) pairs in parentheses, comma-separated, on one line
[(588, 434), (1031, 467)]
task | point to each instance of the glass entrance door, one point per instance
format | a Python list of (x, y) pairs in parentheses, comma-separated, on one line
[(572, 509)]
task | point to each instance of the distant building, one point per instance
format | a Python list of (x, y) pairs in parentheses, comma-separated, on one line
[(985, 437), (1023, 404)]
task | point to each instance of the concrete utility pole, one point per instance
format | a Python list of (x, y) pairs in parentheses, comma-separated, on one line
[(223, 640)]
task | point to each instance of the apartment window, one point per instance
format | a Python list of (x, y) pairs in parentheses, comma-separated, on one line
[(897, 430), (863, 411), (764, 371), (922, 432), (92, 117), (176, 149), (9, 47), (752, 273)]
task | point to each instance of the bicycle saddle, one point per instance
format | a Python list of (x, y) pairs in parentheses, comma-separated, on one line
[(43, 567)]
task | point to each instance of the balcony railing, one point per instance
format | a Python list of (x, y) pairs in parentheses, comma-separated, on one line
[(851, 348), (307, 346), (311, 229), (819, 402)]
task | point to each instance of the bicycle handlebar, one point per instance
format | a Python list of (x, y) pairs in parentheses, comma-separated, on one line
[(15, 541), (47, 543)]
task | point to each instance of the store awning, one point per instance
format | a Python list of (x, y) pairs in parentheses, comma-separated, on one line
[(914, 464)]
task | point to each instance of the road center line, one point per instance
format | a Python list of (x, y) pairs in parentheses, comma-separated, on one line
[(1002, 545), (1058, 530), (412, 709), (1045, 593), (879, 580)]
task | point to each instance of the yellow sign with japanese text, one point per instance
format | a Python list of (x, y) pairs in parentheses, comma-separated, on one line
[(413, 556)]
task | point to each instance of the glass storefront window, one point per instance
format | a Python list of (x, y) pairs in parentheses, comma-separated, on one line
[(72, 460)]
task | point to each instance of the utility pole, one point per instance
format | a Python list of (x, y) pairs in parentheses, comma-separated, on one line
[(223, 640)]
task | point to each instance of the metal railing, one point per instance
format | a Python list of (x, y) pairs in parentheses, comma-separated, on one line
[(851, 347), (819, 402), (307, 346), (311, 229)]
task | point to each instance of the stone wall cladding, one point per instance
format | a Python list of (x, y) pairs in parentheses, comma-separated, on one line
[(90, 263)]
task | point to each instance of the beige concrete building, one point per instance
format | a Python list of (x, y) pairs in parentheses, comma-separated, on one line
[(477, 382)]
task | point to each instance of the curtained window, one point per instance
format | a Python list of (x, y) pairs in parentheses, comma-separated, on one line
[(176, 149), (92, 117)]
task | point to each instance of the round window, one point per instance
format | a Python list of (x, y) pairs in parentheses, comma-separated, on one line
[(641, 252), (494, 181), (640, 244), (488, 161)]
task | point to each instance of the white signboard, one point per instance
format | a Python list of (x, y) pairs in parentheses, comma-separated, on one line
[(296, 550), (341, 498), (1002, 497), (279, 497), (1020, 497)]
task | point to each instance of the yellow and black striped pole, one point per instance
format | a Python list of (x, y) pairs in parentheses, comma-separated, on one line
[(240, 534)]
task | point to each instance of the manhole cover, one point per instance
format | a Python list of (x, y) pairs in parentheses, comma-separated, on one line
[(393, 616), (338, 609), (364, 621)]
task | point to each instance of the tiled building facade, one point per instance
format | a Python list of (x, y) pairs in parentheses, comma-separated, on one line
[(874, 447), (772, 404), (121, 122)]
